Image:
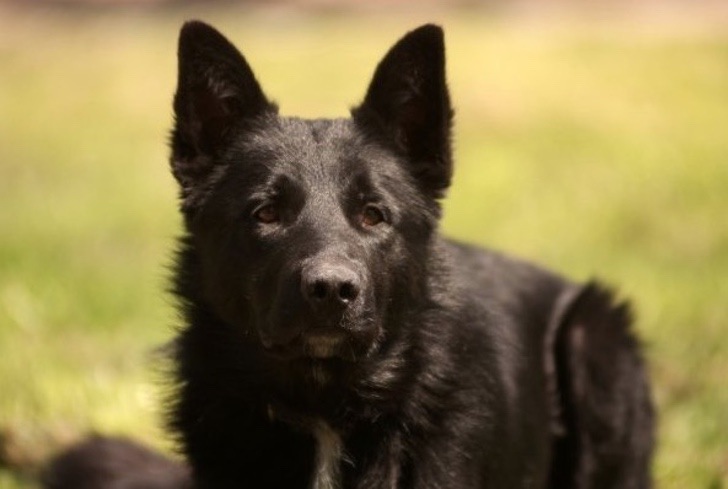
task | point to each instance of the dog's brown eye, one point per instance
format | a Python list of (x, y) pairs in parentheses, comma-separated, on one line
[(267, 214), (371, 216)]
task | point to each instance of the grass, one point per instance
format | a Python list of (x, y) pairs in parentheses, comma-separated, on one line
[(595, 148)]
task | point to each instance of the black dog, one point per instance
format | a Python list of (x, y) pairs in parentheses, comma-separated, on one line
[(334, 340)]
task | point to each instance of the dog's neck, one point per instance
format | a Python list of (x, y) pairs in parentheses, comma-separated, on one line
[(329, 446)]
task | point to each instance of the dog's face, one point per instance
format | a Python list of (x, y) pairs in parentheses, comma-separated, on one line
[(311, 235)]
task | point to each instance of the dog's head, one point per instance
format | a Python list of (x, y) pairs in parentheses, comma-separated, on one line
[(312, 236)]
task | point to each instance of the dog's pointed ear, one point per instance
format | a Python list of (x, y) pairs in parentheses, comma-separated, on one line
[(216, 94), (408, 103)]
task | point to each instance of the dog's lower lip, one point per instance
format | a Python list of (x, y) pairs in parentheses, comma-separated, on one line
[(320, 345), (323, 345), (267, 342)]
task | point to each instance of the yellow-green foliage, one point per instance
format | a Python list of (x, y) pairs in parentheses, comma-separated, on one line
[(595, 148)]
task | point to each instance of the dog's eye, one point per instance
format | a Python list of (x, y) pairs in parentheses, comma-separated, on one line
[(371, 215), (267, 214)]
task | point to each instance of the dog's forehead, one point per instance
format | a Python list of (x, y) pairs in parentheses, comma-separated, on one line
[(309, 148)]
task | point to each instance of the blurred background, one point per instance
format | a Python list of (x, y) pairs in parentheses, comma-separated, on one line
[(590, 136)]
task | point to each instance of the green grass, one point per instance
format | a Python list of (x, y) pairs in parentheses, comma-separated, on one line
[(594, 148)]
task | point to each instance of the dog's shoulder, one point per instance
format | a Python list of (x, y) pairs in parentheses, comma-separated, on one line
[(488, 280)]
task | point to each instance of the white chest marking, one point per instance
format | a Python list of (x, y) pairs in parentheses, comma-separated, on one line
[(328, 457)]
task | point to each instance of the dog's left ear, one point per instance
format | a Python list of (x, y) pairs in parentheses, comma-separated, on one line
[(408, 104)]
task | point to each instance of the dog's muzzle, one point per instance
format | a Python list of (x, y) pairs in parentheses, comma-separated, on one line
[(321, 312)]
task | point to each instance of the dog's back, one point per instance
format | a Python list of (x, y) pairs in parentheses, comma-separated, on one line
[(584, 354), (573, 406)]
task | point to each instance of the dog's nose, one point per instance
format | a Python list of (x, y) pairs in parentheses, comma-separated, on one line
[(330, 285)]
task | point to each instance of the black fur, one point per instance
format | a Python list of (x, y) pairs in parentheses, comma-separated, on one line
[(114, 463), (334, 340)]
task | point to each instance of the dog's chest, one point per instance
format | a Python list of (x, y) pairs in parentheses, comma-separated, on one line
[(329, 446), (329, 449)]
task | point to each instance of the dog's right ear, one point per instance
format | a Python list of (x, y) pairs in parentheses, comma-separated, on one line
[(217, 93)]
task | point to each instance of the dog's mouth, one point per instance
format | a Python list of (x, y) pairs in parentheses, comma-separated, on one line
[(326, 345), (317, 345)]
